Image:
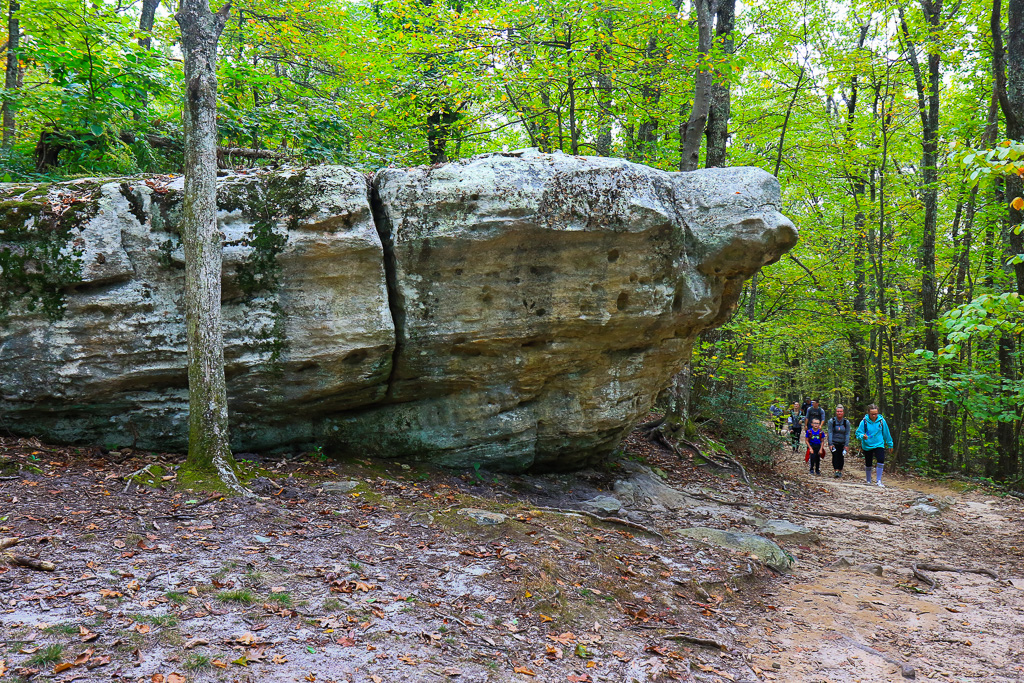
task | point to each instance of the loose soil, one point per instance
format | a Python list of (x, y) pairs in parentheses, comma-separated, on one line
[(160, 579)]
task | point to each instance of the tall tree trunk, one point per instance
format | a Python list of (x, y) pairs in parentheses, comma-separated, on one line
[(647, 131), (11, 77), (693, 133), (146, 22), (928, 108), (717, 136), (1011, 99), (208, 444), (603, 143), (858, 344)]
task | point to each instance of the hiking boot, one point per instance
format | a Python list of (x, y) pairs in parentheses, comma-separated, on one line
[(880, 485)]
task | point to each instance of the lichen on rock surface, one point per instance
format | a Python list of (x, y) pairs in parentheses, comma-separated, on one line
[(510, 311)]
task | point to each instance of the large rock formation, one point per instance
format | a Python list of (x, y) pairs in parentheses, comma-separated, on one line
[(513, 310)]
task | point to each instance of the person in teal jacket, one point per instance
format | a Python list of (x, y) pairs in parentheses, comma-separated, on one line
[(875, 439)]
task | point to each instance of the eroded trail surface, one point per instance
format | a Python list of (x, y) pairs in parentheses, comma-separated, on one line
[(366, 572), (858, 587)]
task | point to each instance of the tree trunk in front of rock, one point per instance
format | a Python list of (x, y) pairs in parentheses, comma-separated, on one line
[(209, 448), (11, 77)]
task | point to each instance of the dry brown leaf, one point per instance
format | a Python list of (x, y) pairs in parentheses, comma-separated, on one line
[(246, 639), (63, 666), (219, 664), (175, 678), (157, 678), (142, 628), (523, 670), (279, 659)]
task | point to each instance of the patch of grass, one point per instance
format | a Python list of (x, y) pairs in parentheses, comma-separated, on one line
[(197, 662), (283, 599), (88, 537), (51, 654), (243, 596), (61, 630), (14, 646), (177, 597), (132, 540), (355, 566), (254, 577), (332, 605), (155, 619)]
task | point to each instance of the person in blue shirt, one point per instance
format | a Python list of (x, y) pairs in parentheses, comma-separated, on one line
[(875, 440), (815, 437)]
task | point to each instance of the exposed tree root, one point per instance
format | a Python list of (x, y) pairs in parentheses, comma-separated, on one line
[(905, 669), (856, 516), (922, 577), (609, 520), (698, 640), (718, 501), (928, 566), (14, 560)]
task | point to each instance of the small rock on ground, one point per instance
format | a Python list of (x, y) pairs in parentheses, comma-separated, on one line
[(483, 517)]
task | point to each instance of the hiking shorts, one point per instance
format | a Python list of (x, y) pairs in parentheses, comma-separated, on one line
[(874, 454)]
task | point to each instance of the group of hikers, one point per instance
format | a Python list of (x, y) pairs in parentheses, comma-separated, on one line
[(807, 422)]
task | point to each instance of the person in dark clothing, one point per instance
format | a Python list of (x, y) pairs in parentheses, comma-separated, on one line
[(795, 420), (837, 429), (805, 407), (815, 413), (815, 445)]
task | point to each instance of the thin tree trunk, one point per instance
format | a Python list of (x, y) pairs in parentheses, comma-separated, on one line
[(928, 108), (603, 144), (785, 122), (691, 137), (647, 131), (11, 79), (146, 22), (717, 136), (1011, 99), (208, 443), (861, 389)]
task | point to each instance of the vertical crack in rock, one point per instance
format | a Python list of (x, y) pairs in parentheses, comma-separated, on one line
[(396, 301)]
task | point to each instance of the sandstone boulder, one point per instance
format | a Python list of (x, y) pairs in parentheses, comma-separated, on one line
[(511, 311), (758, 546)]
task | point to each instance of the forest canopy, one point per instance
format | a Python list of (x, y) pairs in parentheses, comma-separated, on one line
[(894, 128)]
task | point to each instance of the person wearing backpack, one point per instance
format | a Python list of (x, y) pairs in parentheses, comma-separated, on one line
[(815, 412), (838, 432), (795, 420), (875, 439)]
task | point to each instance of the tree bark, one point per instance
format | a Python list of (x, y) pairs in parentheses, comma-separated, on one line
[(1010, 87), (717, 136), (858, 343), (146, 22), (11, 77), (603, 143), (928, 108), (208, 448), (693, 132)]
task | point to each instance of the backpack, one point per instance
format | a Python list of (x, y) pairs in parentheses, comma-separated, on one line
[(831, 430)]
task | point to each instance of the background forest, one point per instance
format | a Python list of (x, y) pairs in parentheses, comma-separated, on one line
[(904, 289)]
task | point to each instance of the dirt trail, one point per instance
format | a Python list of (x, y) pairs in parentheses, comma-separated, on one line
[(968, 628)]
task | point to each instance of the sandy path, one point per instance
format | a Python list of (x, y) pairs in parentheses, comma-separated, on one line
[(969, 628)]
